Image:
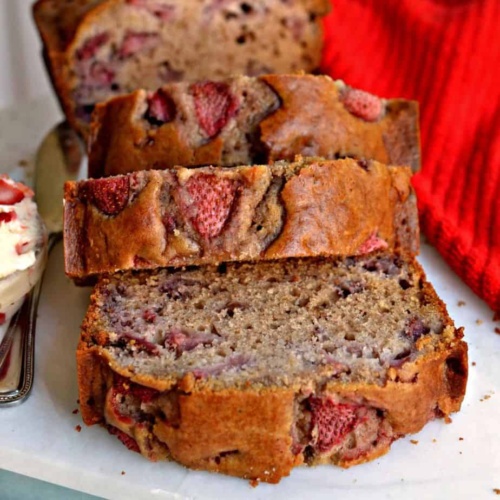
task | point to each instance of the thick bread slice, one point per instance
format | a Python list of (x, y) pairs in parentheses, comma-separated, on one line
[(246, 120), (206, 215), (252, 369), (97, 49)]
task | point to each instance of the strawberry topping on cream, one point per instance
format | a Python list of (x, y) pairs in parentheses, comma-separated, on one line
[(21, 233)]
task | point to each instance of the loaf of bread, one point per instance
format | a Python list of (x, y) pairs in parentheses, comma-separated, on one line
[(96, 49), (244, 121), (179, 217), (252, 369)]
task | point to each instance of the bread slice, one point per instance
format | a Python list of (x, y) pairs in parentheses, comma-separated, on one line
[(97, 49), (208, 215), (252, 369), (244, 121)]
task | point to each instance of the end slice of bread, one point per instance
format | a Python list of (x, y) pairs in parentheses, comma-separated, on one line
[(252, 369), (207, 215)]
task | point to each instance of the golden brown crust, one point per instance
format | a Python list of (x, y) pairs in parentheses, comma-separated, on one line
[(168, 148), (324, 127), (249, 432), (334, 211), (91, 384), (57, 23), (254, 425), (331, 208)]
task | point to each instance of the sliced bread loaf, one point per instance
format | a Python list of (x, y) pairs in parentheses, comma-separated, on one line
[(252, 369), (97, 49), (205, 215), (244, 121)]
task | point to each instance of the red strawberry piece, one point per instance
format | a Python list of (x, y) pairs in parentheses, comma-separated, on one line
[(21, 247), (176, 338), (371, 244), (134, 42), (214, 105), (161, 108), (8, 216), (141, 343), (123, 386), (185, 340), (213, 198), (362, 104), (149, 316), (169, 223), (164, 12), (416, 328), (10, 194), (115, 399), (91, 46), (101, 74), (2, 319), (145, 394), (109, 195), (129, 442), (333, 421)]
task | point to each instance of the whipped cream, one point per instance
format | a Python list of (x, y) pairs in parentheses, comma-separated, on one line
[(20, 234)]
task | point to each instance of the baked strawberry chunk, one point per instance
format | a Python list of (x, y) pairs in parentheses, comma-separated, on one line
[(91, 46), (134, 42), (212, 202), (109, 195), (129, 442), (331, 422), (362, 104), (161, 108), (371, 244), (214, 105)]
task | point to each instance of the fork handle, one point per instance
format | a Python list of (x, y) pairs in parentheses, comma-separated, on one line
[(26, 323)]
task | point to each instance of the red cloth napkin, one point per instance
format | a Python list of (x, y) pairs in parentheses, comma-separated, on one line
[(446, 55)]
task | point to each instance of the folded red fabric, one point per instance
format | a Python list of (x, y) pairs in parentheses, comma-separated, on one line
[(446, 55)]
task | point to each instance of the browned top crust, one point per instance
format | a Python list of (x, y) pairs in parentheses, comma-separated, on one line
[(304, 114), (181, 217)]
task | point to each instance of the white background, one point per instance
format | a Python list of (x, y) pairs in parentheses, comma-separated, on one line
[(22, 75)]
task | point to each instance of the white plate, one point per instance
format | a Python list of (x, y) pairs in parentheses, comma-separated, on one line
[(38, 438)]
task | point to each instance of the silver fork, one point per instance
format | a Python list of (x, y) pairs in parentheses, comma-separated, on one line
[(60, 157)]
